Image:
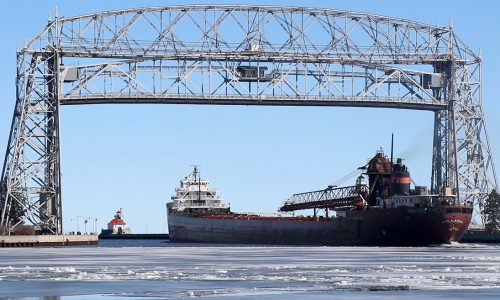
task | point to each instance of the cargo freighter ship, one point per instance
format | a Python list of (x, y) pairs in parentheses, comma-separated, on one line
[(383, 211)]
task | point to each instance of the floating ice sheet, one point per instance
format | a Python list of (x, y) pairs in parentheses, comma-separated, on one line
[(187, 271)]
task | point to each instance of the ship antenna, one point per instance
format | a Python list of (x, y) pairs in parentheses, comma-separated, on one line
[(392, 149), (195, 171), (196, 174)]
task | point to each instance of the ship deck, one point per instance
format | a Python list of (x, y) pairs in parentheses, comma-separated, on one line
[(263, 218)]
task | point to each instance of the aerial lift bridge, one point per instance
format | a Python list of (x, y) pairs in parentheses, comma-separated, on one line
[(240, 55)]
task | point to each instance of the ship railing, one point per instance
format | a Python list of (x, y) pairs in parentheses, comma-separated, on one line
[(267, 214), (199, 203), (438, 200), (186, 191), (183, 207), (435, 200), (195, 198), (420, 200), (190, 204)]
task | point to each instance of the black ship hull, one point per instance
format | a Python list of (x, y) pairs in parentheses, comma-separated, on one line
[(402, 226)]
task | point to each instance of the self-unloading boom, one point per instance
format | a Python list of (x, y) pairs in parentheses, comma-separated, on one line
[(329, 198)]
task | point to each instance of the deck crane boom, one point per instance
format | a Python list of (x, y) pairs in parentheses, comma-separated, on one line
[(332, 197)]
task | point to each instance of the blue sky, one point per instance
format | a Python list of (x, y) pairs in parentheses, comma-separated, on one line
[(132, 156)]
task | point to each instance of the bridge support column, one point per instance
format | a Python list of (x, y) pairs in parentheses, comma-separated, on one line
[(444, 160), (462, 155), (31, 187)]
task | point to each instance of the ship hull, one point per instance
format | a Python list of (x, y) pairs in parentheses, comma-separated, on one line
[(403, 226)]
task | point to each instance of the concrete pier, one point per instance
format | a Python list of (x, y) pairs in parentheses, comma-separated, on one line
[(134, 236), (47, 240)]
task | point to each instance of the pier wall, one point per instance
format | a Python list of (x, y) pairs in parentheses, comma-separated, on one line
[(481, 236), (47, 240), (135, 236)]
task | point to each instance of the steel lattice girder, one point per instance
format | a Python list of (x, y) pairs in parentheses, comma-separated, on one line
[(331, 197), (31, 173), (251, 55)]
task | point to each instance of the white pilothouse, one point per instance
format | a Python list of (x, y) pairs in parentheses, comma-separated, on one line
[(195, 196)]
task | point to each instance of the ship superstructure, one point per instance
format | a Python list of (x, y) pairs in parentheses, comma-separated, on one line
[(194, 195), (382, 209)]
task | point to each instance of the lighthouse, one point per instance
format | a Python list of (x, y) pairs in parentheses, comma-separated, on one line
[(117, 225)]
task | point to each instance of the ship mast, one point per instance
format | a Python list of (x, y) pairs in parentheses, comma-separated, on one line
[(199, 187), (392, 149), (197, 177)]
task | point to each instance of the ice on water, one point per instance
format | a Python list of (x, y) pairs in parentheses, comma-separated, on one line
[(242, 272)]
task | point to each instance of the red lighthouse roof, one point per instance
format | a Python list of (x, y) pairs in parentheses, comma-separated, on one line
[(117, 221), (118, 218)]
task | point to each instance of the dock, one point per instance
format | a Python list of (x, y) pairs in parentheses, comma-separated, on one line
[(47, 240), (480, 236)]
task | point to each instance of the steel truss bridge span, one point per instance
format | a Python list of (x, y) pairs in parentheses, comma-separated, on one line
[(241, 55)]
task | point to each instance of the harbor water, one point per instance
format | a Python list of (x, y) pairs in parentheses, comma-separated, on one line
[(152, 269)]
